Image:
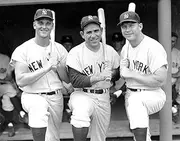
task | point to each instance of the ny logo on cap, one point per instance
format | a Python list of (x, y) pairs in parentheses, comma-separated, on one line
[(90, 17), (44, 12), (126, 16)]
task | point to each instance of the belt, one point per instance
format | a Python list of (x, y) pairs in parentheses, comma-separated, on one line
[(100, 91), (136, 90), (51, 93)]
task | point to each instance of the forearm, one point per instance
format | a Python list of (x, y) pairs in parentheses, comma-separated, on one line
[(149, 79), (77, 79), (30, 77), (63, 74)]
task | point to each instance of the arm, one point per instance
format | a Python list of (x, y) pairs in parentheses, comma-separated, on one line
[(25, 77), (62, 73), (156, 79), (115, 75), (80, 80)]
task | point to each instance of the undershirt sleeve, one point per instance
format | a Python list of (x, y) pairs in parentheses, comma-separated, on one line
[(78, 79)]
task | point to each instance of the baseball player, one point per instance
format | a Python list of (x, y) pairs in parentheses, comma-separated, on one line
[(8, 93), (89, 71), (118, 41), (175, 53), (67, 42), (37, 63), (144, 67)]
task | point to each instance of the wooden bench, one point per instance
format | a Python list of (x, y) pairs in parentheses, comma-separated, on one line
[(117, 129)]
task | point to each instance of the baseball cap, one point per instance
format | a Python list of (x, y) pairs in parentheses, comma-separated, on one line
[(117, 36), (129, 16), (43, 13), (66, 38), (89, 19), (174, 34)]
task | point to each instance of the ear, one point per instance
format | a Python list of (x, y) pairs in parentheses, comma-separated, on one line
[(141, 26), (34, 25), (52, 25), (82, 34)]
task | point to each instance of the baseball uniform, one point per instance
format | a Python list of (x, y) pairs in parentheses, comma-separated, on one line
[(90, 108), (43, 110), (142, 100)]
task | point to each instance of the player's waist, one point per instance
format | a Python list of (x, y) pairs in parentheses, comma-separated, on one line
[(46, 93), (139, 90), (96, 91)]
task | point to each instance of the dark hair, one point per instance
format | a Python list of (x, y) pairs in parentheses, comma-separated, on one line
[(117, 36), (174, 34), (66, 38)]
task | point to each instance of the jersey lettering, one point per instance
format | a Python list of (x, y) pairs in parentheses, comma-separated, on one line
[(140, 67), (35, 65), (89, 70)]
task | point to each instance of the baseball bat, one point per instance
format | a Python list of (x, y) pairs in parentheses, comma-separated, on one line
[(101, 17), (61, 69), (131, 7), (53, 30)]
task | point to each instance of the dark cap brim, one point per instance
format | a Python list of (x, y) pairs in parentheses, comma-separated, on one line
[(40, 17), (89, 22), (128, 20)]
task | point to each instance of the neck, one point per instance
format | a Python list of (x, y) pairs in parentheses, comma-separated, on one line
[(42, 41), (94, 49), (136, 42)]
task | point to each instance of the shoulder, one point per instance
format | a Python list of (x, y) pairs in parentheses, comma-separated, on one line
[(153, 45), (110, 49), (24, 46), (60, 46), (77, 49), (4, 58), (152, 42)]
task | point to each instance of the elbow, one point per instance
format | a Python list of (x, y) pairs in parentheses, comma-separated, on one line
[(161, 82), (20, 83)]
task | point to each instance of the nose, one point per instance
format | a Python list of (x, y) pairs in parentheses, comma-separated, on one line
[(93, 34), (128, 28), (43, 25)]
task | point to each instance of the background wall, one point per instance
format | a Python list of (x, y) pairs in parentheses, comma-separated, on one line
[(16, 21)]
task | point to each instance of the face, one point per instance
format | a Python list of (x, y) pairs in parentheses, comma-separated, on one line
[(92, 35), (173, 41), (131, 30), (43, 27), (118, 45)]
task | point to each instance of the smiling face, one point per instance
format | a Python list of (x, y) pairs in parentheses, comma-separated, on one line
[(92, 35), (131, 30), (43, 27)]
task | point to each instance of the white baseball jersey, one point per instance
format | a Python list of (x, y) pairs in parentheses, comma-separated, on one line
[(90, 63), (146, 58), (175, 54), (35, 57)]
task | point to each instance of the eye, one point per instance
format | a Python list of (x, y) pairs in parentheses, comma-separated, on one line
[(40, 22), (96, 31), (48, 23), (88, 32)]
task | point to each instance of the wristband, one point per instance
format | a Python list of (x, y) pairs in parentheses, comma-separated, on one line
[(118, 93)]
